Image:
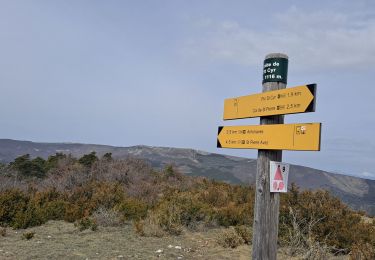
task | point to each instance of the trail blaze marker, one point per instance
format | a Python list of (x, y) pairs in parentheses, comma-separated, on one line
[(279, 173), (270, 138), (299, 99)]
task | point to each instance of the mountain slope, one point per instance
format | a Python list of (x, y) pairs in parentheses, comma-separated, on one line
[(356, 192)]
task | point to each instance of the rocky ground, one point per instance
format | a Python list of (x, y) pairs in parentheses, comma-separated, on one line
[(61, 240)]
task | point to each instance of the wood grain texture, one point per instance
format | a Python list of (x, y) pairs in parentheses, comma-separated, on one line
[(266, 210)]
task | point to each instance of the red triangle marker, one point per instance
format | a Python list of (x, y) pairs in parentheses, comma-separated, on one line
[(278, 175)]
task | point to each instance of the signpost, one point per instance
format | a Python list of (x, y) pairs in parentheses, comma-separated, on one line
[(301, 137), (299, 99), (270, 138)]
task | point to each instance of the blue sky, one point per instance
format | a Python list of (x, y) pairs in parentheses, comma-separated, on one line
[(157, 72)]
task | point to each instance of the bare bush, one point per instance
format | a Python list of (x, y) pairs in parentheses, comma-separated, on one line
[(362, 251), (301, 241), (107, 217), (149, 192), (13, 181), (149, 227), (230, 238), (126, 171), (65, 178)]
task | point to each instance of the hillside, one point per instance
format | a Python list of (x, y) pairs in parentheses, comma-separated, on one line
[(356, 192)]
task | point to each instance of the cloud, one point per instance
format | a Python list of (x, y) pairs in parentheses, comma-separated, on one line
[(319, 40), (352, 146)]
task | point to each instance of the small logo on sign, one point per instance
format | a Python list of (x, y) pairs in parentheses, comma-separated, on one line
[(301, 130)]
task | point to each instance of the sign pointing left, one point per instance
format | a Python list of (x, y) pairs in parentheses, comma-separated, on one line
[(298, 137)]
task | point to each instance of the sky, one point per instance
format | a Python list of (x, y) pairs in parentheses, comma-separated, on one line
[(156, 73)]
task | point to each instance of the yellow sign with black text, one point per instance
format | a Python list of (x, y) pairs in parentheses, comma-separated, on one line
[(301, 137), (299, 99)]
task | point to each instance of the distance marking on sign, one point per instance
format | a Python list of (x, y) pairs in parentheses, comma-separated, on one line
[(299, 99), (301, 137)]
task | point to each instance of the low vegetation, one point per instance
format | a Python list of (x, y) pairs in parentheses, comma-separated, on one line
[(28, 235), (93, 192)]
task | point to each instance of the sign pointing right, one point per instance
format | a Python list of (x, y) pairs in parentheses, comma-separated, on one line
[(299, 99)]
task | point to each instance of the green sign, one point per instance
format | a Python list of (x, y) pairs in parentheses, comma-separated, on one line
[(275, 70)]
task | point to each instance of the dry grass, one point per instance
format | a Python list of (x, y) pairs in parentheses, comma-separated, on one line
[(62, 240)]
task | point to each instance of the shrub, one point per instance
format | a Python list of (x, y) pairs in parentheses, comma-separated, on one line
[(165, 202), (229, 238), (30, 217), (334, 223), (172, 174), (139, 227), (300, 238), (107, 157), (215, 195), (132, 209), (53, 161), (186, 209), (12, 202), (363, 251), (105, 194), (245, 232), (3, 231), (28, 235), (181, 209), (167, 217), (88, 160), (317, 250), (107, 217), (28, 168), (73, 212), (149, 227), (232, 215), (86, 223), (55, 210)]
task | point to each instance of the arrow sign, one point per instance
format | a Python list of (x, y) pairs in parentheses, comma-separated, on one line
[(302, 137), (299, 99)]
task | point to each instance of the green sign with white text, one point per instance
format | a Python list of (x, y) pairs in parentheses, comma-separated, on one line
[(275, 70)]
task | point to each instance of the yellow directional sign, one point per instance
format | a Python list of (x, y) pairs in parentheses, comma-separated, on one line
[(278, 102), (303, 137)]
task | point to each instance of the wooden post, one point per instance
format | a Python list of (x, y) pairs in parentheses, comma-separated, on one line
[(266, 210)]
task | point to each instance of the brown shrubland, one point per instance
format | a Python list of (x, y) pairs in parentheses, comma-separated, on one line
[(105, 192)]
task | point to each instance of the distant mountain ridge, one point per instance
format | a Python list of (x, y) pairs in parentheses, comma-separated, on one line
[(356, 192)]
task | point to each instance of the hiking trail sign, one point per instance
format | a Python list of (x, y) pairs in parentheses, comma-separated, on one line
[(301, 137), (270, 138), (279, 173), (299, 99)]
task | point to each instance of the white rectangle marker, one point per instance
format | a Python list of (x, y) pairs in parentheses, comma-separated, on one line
[(279, 176)]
